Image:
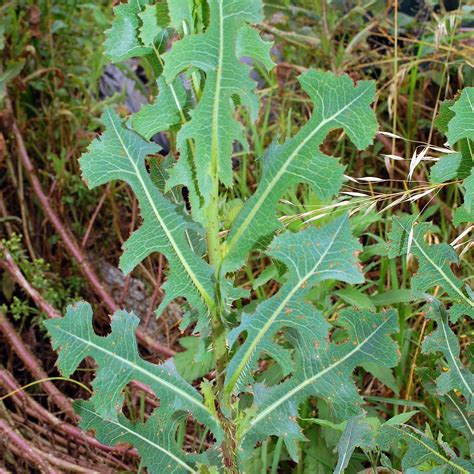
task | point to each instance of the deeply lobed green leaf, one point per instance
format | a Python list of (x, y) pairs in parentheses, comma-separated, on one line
[(217, 53), (443, 340), (337, 104), (323, 369), (120, 154), (119, 363), (422, 452), (311, 256), (434, 264)]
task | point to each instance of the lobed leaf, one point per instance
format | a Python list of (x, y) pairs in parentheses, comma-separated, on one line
[(445, 341), (311, 256), (323, 370), (338, 104), (122, 39), (165, 113), (456, 120), (120, 154), (357, 433), (422, 451), (216, 52), (462, 124), (155, 440), (434, 264), (118, 363)]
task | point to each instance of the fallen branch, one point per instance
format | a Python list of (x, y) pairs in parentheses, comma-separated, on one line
[(26, 451), (34, 366), (36, 410)]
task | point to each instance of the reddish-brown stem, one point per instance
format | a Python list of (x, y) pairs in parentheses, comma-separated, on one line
[(64, 233), (26, 450), (64, 464), (94, 216), (39, 412), (70, 242), (34, 366)]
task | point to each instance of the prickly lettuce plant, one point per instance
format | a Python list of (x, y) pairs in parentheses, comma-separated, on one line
[(203, 83)]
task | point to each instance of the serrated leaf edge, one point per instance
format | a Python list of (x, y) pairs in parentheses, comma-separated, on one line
[(178, 253), (315, 377)]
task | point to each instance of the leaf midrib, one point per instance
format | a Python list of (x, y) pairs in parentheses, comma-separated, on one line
[(169, 236), (138, 435), (282, 171), (233, 381), (440, 270), (344, 455), (136, 367), (461, 413), (312, 379), (430, 449), (451, 355)]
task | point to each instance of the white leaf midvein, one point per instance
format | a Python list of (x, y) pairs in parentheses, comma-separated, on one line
[(134, 367), (312, 379), (173, 243), (283, 169), (151, 443)]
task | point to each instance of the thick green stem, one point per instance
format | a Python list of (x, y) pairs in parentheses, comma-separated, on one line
[(215, 256)]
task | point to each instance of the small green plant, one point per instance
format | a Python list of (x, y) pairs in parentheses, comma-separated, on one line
[(267, 358)]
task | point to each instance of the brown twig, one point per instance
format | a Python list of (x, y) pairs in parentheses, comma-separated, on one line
[(39, 412), (26, 450), (34, 366)]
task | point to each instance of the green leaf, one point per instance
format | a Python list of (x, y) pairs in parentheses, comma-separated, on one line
[(390, 297), (422, 451), (329, 253), (165, 113), (338, 104), (181, 11), (434, 264), (154, 18), (460, 129), (462, 124), (120, 154), (384, 374), (318, 458), (358, 433), (460, 418), (469, 193), (213, 127), (445, 341), (457, 413), (118, 363), (452, 166), (155, 439), (12, 70), (444, 116), (323, 370), (401, 418), (122, 40), (356, 298), (196, 361), (461, 216)]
